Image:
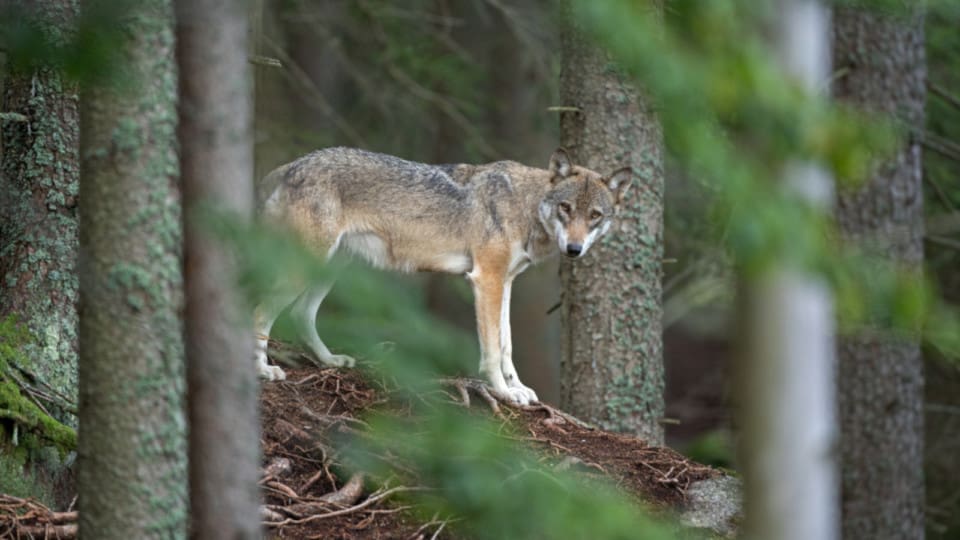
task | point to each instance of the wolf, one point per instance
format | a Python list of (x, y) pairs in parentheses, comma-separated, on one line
[(488, 222)]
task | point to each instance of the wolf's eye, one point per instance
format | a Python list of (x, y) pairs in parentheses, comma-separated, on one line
[(565, 207), (595, 215)]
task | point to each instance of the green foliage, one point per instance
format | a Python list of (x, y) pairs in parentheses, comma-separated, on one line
[(268, 258), (364, 315), (714, 448), (20, 482), (735, 120), (366, 307), (83, 45), (490, 487), (941, 172)]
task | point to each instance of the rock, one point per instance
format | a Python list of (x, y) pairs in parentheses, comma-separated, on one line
[(715, 507)]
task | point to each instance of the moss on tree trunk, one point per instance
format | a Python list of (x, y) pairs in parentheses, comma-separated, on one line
[(611, 349)]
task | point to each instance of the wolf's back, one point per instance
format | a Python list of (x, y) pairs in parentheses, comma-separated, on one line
[(362, 176)]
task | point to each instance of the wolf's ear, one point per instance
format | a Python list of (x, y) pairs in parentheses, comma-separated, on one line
[(560, 164), (619, 182)]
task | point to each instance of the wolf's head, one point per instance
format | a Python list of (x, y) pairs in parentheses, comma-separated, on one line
[(581, 204)]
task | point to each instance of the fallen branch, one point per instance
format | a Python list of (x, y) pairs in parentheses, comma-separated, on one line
[(65, 532), (26, 518)]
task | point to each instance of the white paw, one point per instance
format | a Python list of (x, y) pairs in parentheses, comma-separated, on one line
[(272, 373), (515, 396), (338, 360), (528, 392), (514, 383)]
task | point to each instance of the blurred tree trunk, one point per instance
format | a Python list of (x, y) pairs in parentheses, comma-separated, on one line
[(216, 157), (39, 184), (881, 376), (611, 344), (132, 450), (786, 370)]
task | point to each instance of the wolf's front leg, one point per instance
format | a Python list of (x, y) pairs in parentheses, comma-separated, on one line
[(489, 278), (506, 349)]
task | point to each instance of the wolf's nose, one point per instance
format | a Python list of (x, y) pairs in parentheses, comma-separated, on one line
[(574, 249)]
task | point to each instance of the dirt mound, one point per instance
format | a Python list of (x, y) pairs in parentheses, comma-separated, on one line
[(308, 495), (312, 403)]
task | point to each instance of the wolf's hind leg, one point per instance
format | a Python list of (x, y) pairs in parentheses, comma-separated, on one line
[(264, 316), (304, 312)]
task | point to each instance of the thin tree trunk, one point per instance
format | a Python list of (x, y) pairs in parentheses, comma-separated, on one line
[(611, 345), (216, 156), (786, 372), (39, 184), (881, 377), (132, 450)]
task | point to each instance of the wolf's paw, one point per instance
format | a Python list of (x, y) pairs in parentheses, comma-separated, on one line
[(514, 396), (338, 360), (272, 373), (516, 386)]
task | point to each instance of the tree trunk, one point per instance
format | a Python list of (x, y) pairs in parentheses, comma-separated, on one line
[(611, 350), (786, 372), (132, 450), (216, 158), (881, 377), (39, 183)]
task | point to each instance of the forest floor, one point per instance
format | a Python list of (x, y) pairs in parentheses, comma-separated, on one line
[(313, 401), (307, 494)]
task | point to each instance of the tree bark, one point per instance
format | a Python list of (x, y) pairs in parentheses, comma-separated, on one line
[(216, 159), (132, 467), (39, 188), (611, 349), (881, 376)]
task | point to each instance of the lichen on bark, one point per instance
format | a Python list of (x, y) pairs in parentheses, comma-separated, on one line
[(39, 183), (132, 467), (612, 366)]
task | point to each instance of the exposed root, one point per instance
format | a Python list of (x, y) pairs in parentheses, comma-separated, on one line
[(556, 416), (348, 494), (463, 387), (372, 499)]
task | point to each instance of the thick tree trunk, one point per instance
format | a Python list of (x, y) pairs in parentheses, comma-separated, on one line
[(132, 450), (611, 350), (216, 156), (881, 377), (39, 183)]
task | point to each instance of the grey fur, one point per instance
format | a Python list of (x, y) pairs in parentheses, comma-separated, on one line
[(487, 221)]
